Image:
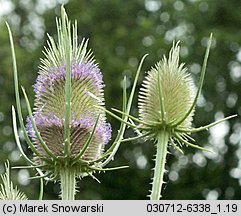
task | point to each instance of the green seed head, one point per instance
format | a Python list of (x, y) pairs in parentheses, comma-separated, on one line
[(166, 99)]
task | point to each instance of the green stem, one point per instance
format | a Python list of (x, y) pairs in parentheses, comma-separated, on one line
[(159, 170), (68, 183)]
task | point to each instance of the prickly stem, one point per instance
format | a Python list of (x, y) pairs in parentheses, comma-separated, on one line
[(160, 160)]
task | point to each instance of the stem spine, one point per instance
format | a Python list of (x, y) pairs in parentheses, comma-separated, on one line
[(160, 160)]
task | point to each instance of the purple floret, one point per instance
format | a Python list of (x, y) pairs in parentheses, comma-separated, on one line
[(106, 131), (78, 71), (41, 121), (103, 129)]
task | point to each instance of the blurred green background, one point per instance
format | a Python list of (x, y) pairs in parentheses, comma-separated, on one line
[(120, 33)]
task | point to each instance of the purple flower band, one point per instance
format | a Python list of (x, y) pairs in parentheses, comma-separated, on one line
[(78, 71), (103, 129)]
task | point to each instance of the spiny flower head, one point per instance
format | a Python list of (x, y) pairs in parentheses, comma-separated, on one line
[(87, 85), (173, 82), (167, 100), (66, 122)]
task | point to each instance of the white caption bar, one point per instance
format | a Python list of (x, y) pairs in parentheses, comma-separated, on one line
[(122, 208)]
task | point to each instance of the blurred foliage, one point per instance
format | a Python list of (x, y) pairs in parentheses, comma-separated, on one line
[(120, 33)]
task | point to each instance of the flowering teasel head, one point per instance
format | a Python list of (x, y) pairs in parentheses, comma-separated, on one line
[(67, 131), (50, 104), (68, 89)]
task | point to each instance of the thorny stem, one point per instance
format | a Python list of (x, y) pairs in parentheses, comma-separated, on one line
[(67, 183), (159, 170)]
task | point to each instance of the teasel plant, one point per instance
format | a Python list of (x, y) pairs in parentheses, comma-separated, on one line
[(66, 130), (7, 189), (166, 104)]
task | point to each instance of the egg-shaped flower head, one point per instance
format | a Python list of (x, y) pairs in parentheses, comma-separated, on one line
[(78, 96), (167, 93), (86, 93)]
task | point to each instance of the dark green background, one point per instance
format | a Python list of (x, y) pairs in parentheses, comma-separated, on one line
[(120, 33)]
